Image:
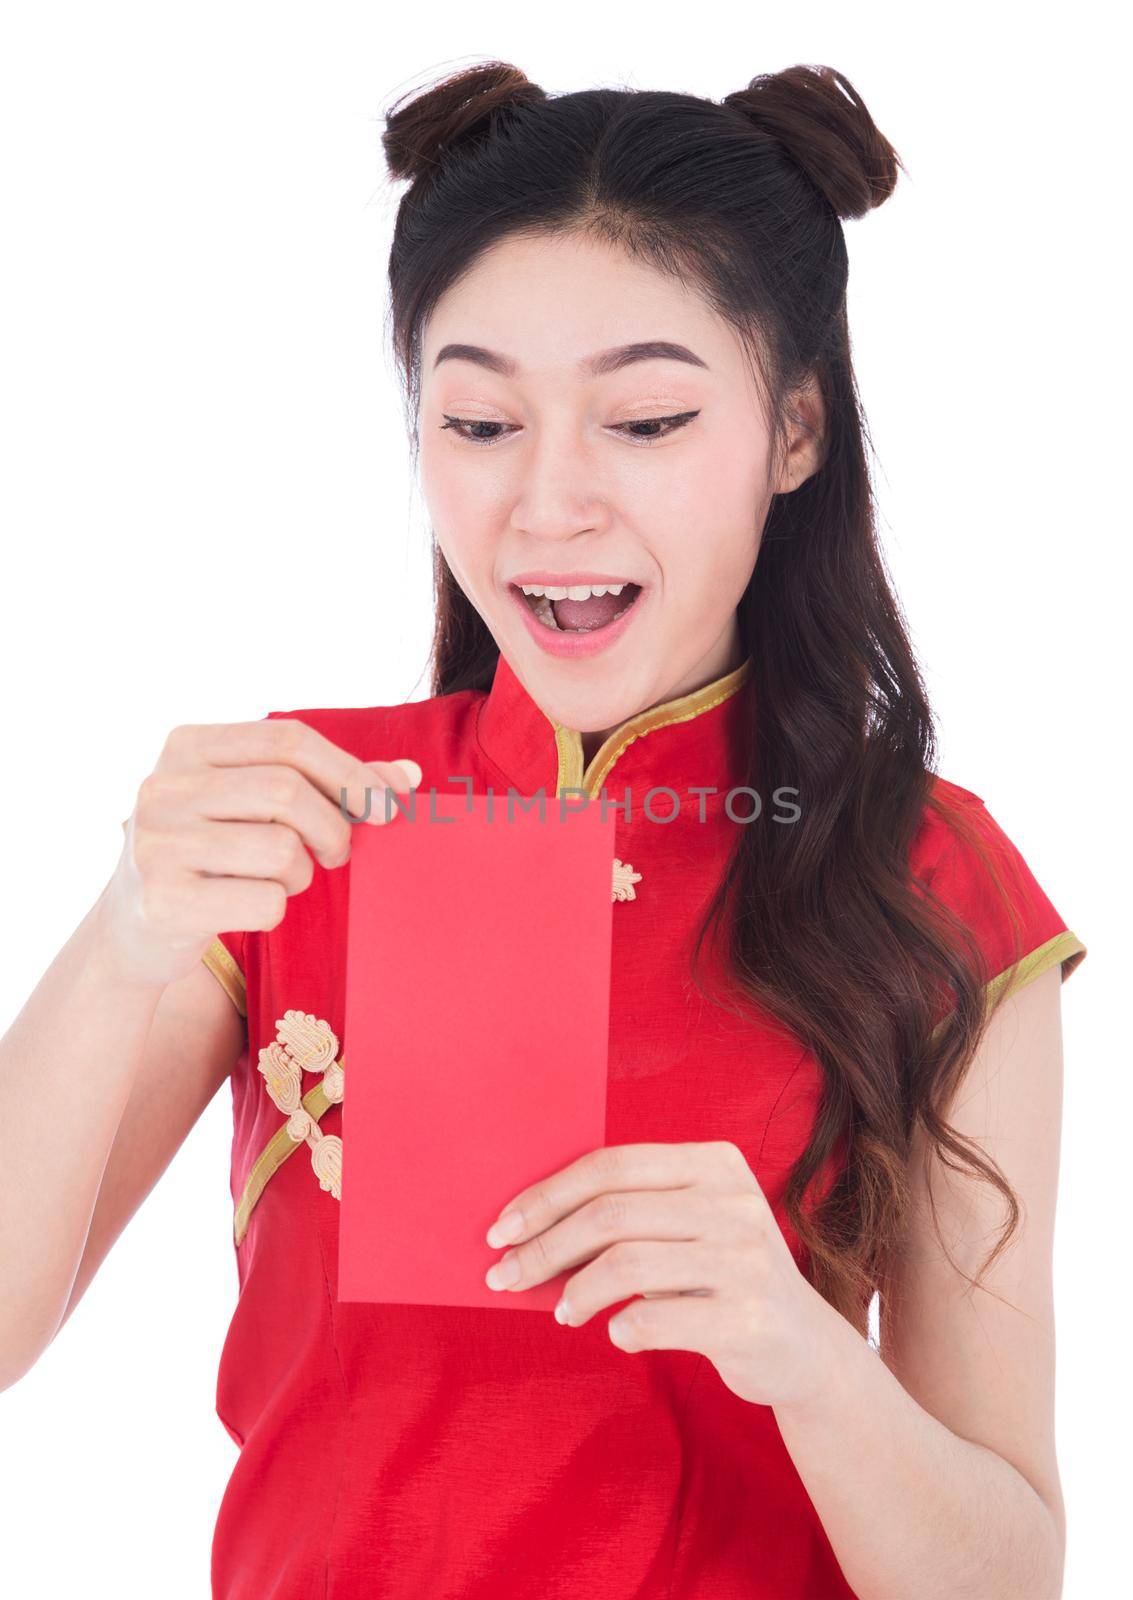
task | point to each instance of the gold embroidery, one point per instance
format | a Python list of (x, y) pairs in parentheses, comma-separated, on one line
[(311, 1044), (327, 1162), (282, 1075), (624, 879), (304, 1043), (277, 1150)]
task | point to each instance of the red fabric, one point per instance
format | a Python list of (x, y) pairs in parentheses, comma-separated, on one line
[(963, 858), (422, 1452)]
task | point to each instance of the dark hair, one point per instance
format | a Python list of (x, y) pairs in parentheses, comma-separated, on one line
[(744, 201)]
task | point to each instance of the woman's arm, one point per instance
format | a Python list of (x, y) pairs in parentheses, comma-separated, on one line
[(933, 1466), (194, 1041), (228, 825), (92, 1056)]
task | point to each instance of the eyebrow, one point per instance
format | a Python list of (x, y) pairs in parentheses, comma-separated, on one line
[(598, 366)]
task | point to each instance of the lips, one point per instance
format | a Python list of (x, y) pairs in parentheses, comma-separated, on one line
[(574, 643)]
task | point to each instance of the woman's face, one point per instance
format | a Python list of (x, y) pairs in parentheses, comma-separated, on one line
[(541, 461)]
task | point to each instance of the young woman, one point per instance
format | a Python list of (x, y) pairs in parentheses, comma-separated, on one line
[(834, 1054)]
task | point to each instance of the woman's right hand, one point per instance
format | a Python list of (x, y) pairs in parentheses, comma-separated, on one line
[(220, 834)]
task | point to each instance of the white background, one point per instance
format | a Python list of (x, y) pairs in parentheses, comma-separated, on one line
[(208, 514)]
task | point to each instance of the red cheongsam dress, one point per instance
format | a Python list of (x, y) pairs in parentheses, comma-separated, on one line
[(416, 1452)]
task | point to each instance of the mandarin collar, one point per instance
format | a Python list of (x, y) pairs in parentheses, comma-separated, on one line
[(700, 739)]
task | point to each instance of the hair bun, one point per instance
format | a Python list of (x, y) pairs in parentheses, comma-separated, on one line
[(822, 122), (450, 112)]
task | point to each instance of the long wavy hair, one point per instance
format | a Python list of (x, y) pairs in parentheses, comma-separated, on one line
[(826, 929)]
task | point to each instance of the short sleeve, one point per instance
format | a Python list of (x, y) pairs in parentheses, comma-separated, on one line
[(982, 878), (224, 958)]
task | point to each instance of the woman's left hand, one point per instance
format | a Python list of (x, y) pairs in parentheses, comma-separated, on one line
[(687, 1227)]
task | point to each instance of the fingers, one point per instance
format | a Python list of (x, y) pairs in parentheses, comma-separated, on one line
[(288, 742), (180, 910), (269, 850), (646, 1267), (614, 1219), (412, 771), (608, 1168), (341, 777), (278, 770), (224, 829)]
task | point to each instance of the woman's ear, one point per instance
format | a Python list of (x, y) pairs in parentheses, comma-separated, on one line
[(806, 436)]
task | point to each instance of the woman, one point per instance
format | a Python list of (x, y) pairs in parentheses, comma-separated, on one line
[(621, 318)]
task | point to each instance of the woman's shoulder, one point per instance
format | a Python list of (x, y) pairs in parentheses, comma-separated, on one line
[(947, 808), (972, 864)]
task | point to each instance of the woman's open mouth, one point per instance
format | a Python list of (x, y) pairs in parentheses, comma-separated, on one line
[(578, 620), (582, 608)]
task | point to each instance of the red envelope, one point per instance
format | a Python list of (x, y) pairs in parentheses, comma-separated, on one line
[(476, 1035)]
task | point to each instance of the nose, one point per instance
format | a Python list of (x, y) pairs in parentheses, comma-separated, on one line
[(559, 493)]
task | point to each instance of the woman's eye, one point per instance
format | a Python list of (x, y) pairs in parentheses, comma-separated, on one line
[(669, 424), (457, 423)]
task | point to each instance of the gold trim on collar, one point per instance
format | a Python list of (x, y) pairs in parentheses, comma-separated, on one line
[(568, 741)]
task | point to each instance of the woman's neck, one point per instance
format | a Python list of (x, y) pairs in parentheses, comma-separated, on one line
[(725, 658)]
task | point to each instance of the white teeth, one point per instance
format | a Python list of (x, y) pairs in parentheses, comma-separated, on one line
[(580, 591)]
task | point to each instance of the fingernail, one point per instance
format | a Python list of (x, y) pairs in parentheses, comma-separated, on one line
[(411, 769), (507, 1229), (503, 1274), (562, 1311)]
